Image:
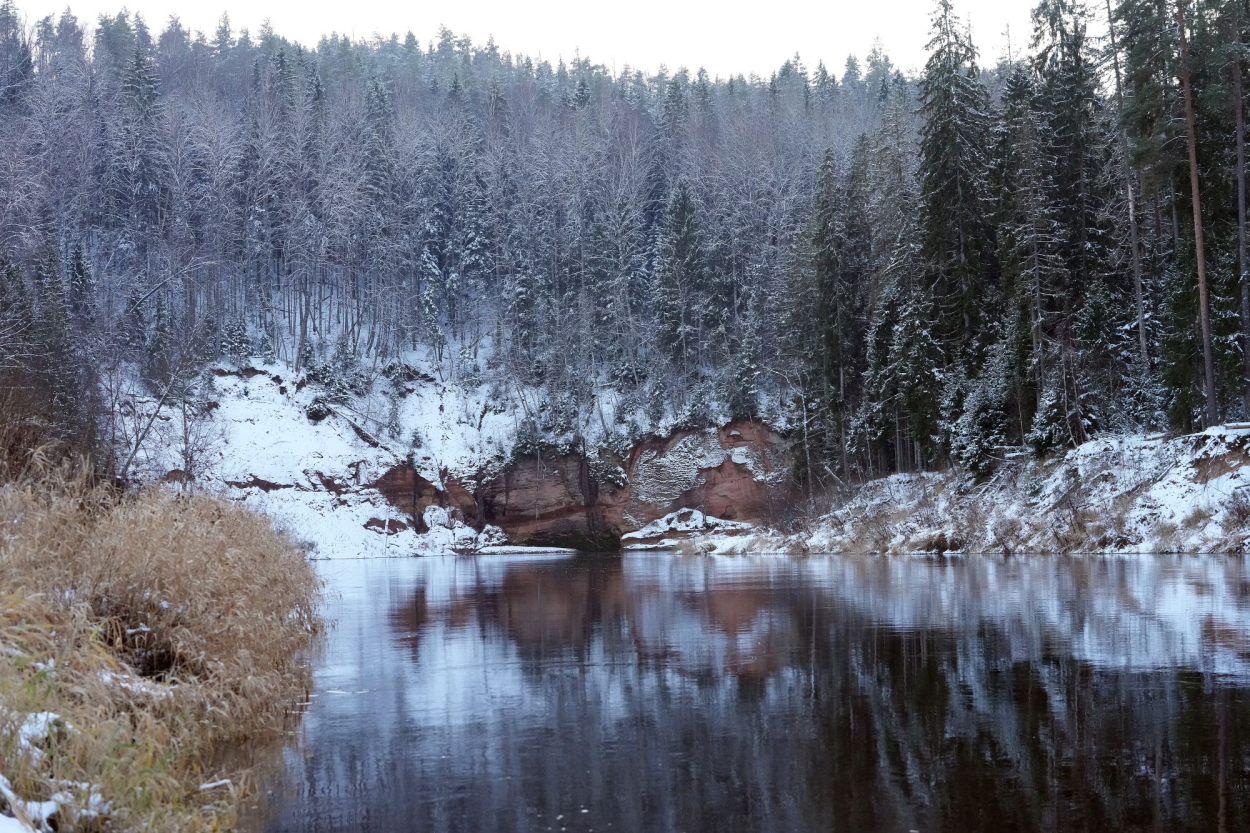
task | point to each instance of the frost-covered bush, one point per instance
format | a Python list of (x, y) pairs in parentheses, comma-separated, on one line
[(267, 353), (528, 438), (1237, 512), (980, 425), (1141, 402), (655, 405), (307, 356), (1049, 431), (340, 375), (392, 416), (700, 409), (235, 342), (605, 471), (560, 417), (469, 370), (318, 409)]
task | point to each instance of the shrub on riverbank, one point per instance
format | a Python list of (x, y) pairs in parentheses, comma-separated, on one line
[(141, 637)]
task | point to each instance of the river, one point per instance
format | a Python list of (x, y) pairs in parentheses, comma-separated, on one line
[(654, 692)]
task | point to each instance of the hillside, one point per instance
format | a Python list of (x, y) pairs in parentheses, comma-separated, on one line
[(444, 469), (1132, 494), (346, 484)]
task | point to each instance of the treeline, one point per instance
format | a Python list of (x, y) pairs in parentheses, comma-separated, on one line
[(902, 271)]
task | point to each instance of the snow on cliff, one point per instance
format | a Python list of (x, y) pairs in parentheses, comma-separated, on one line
[(263, 450), (1114, 494)]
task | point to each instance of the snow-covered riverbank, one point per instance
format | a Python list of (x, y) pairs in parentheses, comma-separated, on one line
[(1132, 494), (258, 447), (333, 483), (409, 465)]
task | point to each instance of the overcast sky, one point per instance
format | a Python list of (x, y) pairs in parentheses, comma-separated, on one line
[(725, 37)]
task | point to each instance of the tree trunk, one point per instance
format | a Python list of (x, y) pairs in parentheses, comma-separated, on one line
[(1208, 356), (1243, 256), (1143, 344)]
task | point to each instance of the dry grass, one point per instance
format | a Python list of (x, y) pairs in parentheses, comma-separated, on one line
[(687, 548), (161, 629), (1237, 512), (1007, 536), (1199, 517), (1163, 537)]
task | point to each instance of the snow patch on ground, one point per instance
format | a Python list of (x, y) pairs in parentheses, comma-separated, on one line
[(33, 730), (135, 685), (72, 804), (672, 529), (1133, 494)]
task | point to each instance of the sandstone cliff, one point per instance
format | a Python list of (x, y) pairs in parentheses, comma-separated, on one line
[(738, 472)]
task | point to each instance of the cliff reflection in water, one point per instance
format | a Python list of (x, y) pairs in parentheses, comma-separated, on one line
[(662, 693)]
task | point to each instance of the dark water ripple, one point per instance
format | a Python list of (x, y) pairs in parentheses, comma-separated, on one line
[(659, 693)]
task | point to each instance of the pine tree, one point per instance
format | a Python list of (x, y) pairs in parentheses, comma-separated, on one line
[(132, 330), (581, 96), (159, 359), (1030, 242), (1152, 101), (1126, 163), (746, 377), (824, 331), (1067, 101), (16, 317), (17, 68), (138, 158), (377, 141), (235, 341), (1237, 22), (51, 328)]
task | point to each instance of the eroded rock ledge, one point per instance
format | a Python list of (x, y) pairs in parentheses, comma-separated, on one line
[(738, 472)]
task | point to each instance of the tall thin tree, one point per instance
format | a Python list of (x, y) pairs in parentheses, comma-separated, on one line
[(1127, 164), (1204, 312), (1243, 250)]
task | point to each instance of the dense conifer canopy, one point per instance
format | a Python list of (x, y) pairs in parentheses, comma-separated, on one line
[(899, 272)]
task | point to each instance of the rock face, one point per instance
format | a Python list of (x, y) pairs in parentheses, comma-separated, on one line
[(554, 501), (738, 473)]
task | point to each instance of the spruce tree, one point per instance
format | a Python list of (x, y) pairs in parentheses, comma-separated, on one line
[(16, 317), (53, 345), (1030, 243), (957, 235), (84, 309), (677, 281)]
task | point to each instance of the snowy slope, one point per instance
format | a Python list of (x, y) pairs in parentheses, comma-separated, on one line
[(312, 477), (1131, 494), (1116, 494)]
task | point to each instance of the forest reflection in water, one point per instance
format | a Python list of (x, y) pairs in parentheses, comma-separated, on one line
[(654, 692)]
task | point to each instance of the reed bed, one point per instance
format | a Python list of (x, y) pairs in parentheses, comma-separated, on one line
[(142, 636)]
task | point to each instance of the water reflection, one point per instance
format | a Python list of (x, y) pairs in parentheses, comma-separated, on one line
[(661, 693)]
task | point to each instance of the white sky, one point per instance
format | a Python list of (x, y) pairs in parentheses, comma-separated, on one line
[(725, 37)]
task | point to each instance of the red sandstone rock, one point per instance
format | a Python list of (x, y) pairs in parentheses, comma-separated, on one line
[(737, 473), (389, 527)]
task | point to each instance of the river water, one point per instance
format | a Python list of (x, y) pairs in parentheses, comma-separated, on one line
[(654, 692)]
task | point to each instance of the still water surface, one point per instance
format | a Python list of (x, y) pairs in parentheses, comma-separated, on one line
[(660, 693)]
